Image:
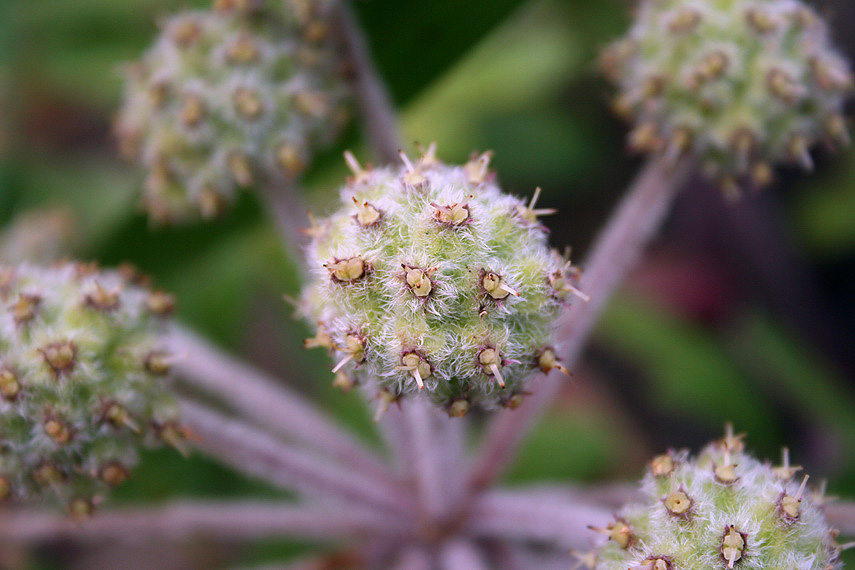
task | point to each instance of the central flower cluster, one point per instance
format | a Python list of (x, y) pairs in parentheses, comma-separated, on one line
[(429, 278)]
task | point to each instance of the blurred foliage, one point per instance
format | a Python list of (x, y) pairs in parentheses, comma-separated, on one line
[(513, 76)]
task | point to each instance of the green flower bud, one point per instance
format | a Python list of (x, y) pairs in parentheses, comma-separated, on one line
[(741, 85), (429, 278), (78, 395), (228, 96)]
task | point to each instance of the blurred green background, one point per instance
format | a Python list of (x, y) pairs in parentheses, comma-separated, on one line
[(741, 313)]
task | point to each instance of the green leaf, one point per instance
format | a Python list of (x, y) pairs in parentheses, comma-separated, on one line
[(414, 42), (689, 372), (823, 215), (788, 370), (584, 446), (517, 68)]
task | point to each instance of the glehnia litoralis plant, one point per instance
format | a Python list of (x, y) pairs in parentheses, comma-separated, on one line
[(398, 311)]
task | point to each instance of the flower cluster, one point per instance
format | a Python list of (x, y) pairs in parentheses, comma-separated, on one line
[(741, 85), (81, 380), (224, 97), (428, 277), (722, 510)]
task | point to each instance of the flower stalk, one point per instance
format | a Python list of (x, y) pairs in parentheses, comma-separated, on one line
[(270, 403), (519, 517), (229, 521), (378, 114), (255, 453)]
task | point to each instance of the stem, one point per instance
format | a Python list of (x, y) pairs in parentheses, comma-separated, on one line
[(395, 431), (841, 515), (370, 555), (257, 454), (183, 520), (378, 114), (462, 554), (610, 496), (524, 558), (414, 558), (452, 436), (511, 556), (616, 252), (510, 515), (437, 460), (288, 212), (269, 403)]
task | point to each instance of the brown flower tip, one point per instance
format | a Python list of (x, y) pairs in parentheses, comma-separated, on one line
[(24, 309), (678, 504), (102, 300), (347, 270), (458, 408), (60, 357), (9, 385), (733, 545), (491, 363), (113, 473), (57, 430), (160, 303), (619, 531)]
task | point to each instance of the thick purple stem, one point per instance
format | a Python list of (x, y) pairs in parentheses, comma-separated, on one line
[(180, 521), (255, 453)]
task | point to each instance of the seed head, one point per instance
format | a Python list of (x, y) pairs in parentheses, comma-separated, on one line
[(78, 392), (691, 518), (429, 279), (230, 97), (739, 85)]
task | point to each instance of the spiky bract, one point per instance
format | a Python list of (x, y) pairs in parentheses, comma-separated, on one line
[(739, 84), (429, 276), (81, 380), (723, 509), (229, 96)]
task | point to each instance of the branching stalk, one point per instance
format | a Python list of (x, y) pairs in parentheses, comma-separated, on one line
[(459, 554), (378, 114), (841, 515), (510, 515), (394, 428), (615, 253), (269, 403), (509, 556), (437, 444), (522, 558), (180, 521), (255, 453), (288, 212), (414, 558), (611, 496)]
